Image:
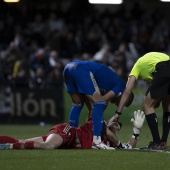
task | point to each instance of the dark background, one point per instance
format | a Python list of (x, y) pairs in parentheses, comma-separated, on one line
[(74, 29)]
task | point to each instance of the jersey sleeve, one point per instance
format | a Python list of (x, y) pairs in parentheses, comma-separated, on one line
[(118, 87), (135, 71)]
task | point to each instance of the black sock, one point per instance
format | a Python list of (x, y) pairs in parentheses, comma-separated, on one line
[(165, 126), (153, 125)]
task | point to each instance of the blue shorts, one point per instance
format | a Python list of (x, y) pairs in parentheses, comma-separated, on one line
[(79, 78), (160, 85)]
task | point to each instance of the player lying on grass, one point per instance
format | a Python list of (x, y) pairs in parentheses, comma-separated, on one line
[(63, 136)]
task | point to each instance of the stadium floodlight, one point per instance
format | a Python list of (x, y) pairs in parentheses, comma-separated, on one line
[(105, 1), (11, 1), (165, 0)]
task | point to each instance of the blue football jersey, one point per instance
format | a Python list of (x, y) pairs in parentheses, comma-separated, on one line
[(86, 77)]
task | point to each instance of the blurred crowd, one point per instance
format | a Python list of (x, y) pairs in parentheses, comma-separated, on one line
[(36, 42)]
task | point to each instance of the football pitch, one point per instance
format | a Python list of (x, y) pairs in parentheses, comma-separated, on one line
[(88, 159)]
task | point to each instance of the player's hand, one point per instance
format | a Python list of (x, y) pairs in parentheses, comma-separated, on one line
[(138, 119), (113, 119)]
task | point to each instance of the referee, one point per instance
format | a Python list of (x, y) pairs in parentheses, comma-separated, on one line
[(154, 68)]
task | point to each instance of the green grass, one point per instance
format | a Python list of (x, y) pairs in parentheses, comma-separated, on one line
[(83, 159)]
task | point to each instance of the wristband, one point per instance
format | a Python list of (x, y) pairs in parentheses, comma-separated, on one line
[(135, 136), (119, 113)]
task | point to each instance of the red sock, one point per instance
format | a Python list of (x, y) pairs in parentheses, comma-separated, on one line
[(7, 139), (29, 145), (22, 145), (17, 145)]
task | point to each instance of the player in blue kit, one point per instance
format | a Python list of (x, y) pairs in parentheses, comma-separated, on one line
[(95, 85)]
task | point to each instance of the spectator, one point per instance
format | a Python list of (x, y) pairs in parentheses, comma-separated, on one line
[(39, 81), (103, 54)]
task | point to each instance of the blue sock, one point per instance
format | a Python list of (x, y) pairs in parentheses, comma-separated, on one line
[(74, 114), (97, 117)]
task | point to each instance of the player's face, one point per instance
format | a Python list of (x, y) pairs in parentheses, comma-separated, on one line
[(116, 127)]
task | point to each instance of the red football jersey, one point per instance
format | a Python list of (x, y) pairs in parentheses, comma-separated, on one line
[(68, 134), (85, 134)]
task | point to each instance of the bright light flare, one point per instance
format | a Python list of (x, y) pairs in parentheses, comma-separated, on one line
[(105, 1), (165, 0), (11, 1)]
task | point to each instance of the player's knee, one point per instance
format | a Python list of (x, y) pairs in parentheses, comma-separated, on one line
[(48, 146), (145, 108), (77, 98), (96, 98)]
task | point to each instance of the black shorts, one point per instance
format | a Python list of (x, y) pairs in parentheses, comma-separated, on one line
[(160, 85)]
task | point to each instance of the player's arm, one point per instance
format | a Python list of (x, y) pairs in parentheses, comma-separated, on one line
[(112, 137), (137, 122), (125, 96), (128, 90)]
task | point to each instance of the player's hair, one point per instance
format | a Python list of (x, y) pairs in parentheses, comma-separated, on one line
[(130, 100)]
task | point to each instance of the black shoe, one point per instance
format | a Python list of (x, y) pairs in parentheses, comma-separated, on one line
[(155, 146), (163, 145)]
